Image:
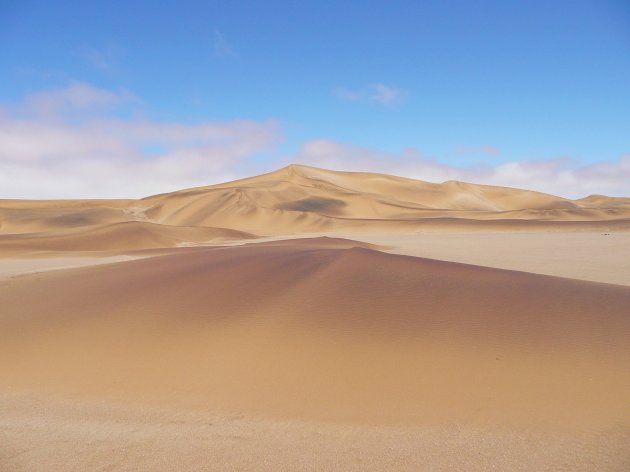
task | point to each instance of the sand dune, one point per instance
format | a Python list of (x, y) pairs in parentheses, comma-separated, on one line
[(345, 334), (117, 236), (602, 201), (299, 199), (198, 318), (32, 217)]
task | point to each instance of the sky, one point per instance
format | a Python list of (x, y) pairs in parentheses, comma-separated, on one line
[(109, 99)]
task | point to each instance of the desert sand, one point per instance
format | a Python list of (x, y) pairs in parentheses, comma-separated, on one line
[(316, 320)]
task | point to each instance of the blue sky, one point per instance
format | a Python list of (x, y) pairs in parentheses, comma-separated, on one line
[(530, 93)]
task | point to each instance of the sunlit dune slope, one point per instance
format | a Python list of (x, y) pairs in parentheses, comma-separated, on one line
[(330, 332), (602, 201), (306, 199)]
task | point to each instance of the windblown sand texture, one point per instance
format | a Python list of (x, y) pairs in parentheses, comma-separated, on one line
[(225, 328)]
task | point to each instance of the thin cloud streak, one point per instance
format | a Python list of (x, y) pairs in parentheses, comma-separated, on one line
[(103, 60), (77, 96), (221, 47), (386, 95), (378, 94)]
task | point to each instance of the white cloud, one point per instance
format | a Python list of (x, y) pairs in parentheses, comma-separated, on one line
[(73, 143), (61, 144), (378, 93)]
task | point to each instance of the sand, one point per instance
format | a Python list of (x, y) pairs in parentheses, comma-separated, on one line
[(10, 268), (583, 255), (75, 436), (297, 199), (263, 325)]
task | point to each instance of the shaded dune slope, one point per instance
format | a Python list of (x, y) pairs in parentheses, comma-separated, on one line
[(339, 333), (39, 216)]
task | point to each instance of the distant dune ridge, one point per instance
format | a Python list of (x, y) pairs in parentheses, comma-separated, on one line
[(300, 199), (275, 303)]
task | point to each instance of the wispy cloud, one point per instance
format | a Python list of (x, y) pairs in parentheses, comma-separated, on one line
[(103, 59), (47, 152), (77, 96), (380, 94), (344, 93), (79, 142), (221, 47), (386, 94)]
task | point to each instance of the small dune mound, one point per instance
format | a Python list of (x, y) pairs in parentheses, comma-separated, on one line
[(294, 330)]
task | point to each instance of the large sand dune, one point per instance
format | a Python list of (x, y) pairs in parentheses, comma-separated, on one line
[(209, 329), (299, 199)]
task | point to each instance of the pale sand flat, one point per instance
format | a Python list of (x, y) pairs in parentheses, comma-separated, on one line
[(583, 255), (11, 267)]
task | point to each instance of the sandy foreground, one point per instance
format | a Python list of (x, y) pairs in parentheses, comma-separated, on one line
[(153, 380), (308, 319), (39, 433)]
